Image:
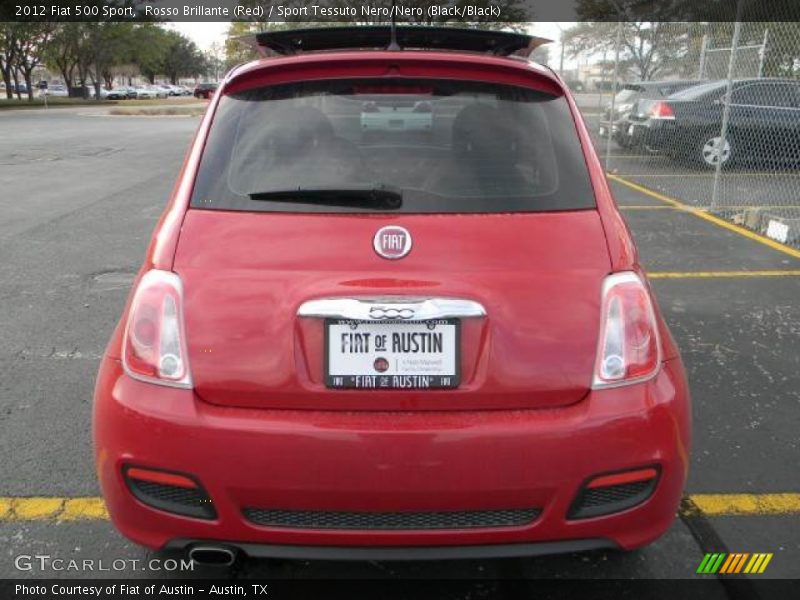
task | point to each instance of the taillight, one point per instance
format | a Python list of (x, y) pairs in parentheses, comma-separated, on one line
[(629, 349), (661, 110), (154, 349)]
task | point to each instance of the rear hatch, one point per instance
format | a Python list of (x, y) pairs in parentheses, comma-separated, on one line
[(492, 191)]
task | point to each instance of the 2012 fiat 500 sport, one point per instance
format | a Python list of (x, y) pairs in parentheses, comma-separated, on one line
[(391, 311)]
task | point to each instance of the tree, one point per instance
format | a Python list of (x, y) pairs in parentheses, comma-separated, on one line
[(183, 58), (106, 44), (215, 59), (150, 44), (8, 44), (239, 46), (62, 53), (647, 48), (29, 45)]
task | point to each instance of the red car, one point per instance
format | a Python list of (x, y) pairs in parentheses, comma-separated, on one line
[(205, 90), (368, 331)]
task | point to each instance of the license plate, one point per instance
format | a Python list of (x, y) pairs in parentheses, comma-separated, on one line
[(631, 129), (602, 131), (392, 354)]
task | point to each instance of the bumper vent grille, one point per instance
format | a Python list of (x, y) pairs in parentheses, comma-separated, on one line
[(191, 502), (391, 520), (613, 494), (594, 502)]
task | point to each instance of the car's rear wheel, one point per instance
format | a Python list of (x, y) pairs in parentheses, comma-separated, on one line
[(712, 151)]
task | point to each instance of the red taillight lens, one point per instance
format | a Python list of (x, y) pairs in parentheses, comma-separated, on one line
[(629, 349), (154, 348), (661, 110)]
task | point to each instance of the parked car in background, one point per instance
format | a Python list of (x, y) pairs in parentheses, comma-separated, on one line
[(165, 88), (54, 90), (629, 99), (143, 93), (19, 88), (205, 90), (575, 85), (181, 90), (422, 342), (764, 123), (121, 93), (150, 92)]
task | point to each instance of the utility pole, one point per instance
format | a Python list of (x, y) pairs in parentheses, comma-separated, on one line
[(762, 54), (726, 110), (613, 92), (701, 74)]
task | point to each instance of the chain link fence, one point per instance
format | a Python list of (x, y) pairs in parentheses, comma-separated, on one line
[(707, 114)]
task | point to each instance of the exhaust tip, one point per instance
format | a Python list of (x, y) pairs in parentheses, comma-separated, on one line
[(216, 556)]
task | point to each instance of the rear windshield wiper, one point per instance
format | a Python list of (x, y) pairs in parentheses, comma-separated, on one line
[(379, 197)]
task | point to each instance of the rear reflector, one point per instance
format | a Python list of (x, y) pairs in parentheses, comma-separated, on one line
[(620, 478), (161, 477), (170, 492), (612, 493)]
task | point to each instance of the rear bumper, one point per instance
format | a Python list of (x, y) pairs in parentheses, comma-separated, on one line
[(661, 135), (392, 462), (385, 553)]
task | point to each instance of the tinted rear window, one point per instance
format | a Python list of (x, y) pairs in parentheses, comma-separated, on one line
[(446, 146), (698, 92)]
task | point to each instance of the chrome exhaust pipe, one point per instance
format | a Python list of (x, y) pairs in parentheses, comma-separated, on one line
[(213, 556)]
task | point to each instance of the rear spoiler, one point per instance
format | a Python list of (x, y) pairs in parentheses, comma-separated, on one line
[(294, 41)]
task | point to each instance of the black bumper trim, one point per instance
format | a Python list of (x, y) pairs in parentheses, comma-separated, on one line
[(409, 553)]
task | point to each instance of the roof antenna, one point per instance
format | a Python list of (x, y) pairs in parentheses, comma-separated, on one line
[(393, 45)]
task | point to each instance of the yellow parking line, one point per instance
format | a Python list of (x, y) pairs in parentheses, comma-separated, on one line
[(647, 207), (708, 217), (706, 208), (721, 274), (711, 175), (88, 508), (83, 508), (5, 508), (746, 504), (51, 508), (33, 509)]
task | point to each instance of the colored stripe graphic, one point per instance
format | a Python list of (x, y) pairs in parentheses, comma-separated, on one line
[(733, 563), (711, 562)]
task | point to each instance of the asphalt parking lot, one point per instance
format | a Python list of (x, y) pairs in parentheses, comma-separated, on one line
[(81, 192)]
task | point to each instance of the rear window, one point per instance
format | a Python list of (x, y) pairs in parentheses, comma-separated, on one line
[(700, 91), (439, 146)]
